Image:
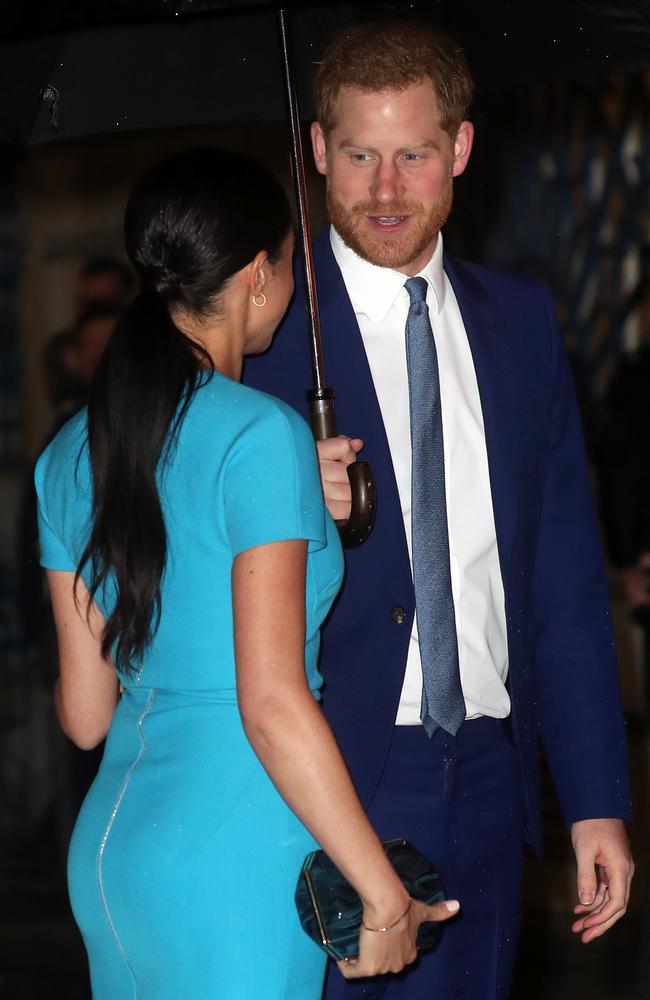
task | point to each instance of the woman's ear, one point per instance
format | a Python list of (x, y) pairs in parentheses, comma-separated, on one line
[(258, 275)]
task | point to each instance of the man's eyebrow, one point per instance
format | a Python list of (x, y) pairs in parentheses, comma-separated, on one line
[(351, 144), (424, 144)]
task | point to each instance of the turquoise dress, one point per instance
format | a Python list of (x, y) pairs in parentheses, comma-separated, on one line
[(184, 858)]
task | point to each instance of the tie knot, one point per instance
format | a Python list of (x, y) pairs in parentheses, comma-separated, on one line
[(417, 289)]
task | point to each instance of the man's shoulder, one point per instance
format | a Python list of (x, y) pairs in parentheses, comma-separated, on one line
[(493, 282)]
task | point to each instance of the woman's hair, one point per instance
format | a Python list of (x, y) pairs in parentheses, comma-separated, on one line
[(192, 221), (393, 55)]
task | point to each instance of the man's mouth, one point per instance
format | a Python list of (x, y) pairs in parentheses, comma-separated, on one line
[(387, 221)]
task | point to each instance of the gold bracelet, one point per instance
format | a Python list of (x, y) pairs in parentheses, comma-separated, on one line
[(384, 930)]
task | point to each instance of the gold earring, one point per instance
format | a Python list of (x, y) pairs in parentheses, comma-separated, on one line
[(261, 296)]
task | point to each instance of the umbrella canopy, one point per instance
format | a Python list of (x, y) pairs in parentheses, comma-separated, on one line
[(123, 65)]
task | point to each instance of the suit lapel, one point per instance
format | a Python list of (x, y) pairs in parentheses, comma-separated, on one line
[(346, 362), (498, 388), (357, 408)]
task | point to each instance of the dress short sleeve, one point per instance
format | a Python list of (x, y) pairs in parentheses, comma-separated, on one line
[(272, 489), (53, 552)]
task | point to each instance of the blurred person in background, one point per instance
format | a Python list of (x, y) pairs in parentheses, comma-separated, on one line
[(104, 286), (104, 279), (90, 336), (69, 362), (70, 359)]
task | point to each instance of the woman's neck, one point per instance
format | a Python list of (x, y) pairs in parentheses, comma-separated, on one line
[(221, 337)]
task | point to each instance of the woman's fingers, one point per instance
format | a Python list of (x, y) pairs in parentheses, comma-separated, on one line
[(441, 911), (391, 952), (347, 967)]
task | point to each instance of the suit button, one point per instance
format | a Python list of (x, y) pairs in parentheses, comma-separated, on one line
[(398, 614)]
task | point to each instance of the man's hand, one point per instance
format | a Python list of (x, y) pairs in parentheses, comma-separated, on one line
[(334, 456), (605, 870)]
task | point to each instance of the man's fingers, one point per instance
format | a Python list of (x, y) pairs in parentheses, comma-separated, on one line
[(601, 845), (586, 881), (601, 917), (334, 472), (334, 457), (337, 492), (601, 895), (586, 849), (339, 511), (614, 903), (589, 931), (337, 489), (339, 449), (582, 912)]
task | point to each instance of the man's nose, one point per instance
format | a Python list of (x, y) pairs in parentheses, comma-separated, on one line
[(387, 184)]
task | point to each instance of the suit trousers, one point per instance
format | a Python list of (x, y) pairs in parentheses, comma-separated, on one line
[(459, 801)]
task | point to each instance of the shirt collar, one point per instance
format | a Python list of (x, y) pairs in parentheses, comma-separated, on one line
[(373, 290)]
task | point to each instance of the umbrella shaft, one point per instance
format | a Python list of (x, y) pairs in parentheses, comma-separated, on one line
[(321, 412), (298, 173)]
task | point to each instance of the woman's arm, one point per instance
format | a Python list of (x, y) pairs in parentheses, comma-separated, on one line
[(296, 746), (86, 691)]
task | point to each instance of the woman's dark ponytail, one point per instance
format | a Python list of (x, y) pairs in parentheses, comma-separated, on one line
[(134, 404), (191, 223)]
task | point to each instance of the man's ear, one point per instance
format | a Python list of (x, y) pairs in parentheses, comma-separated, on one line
[(319, 148), (462, 148)]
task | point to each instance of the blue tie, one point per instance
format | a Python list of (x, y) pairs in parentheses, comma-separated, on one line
[(442, 698)]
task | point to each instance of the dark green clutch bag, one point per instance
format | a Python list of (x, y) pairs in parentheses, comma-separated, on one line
[(330, 910)]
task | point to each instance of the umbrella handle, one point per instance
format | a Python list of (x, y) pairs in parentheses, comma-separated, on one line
[(358, 526)]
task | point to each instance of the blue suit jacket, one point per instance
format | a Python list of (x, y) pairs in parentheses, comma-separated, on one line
[(562, 666)]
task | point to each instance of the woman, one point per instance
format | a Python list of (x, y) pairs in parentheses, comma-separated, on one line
[(191, 563)]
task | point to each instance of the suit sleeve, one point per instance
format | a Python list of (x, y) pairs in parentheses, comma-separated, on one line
[(575, 671)]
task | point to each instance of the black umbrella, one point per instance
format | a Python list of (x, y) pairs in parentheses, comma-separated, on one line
[(135, 64), (77, 69)]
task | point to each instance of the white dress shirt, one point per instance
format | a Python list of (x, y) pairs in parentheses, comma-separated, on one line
[(381, 305)]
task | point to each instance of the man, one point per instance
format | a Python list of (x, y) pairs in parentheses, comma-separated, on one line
[(104, 279), (93, 330), (454, 378)]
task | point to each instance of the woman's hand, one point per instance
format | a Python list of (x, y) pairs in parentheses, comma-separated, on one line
[(390, 951), (294, 742)]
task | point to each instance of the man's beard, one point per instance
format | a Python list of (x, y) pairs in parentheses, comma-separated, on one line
[(394, 249)]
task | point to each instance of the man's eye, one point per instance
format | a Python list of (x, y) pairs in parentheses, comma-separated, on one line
[(360, 157), (412, 157)]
